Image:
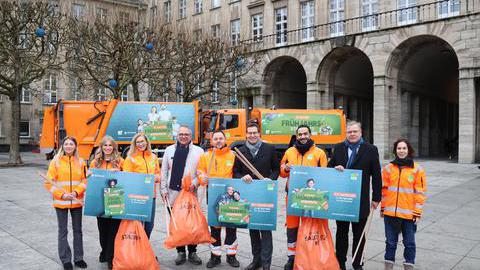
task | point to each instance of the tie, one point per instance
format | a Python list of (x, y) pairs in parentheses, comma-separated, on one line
[(352, 155)]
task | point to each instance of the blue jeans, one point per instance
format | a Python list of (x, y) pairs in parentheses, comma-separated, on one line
[(148, 226), (393, 227)]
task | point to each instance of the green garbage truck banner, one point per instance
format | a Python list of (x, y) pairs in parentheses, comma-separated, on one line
[(234, 203), (324, 193), (287, 123), (160, 122), (121, 195)]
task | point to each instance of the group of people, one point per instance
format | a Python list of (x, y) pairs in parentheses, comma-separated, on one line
[(399, 191)]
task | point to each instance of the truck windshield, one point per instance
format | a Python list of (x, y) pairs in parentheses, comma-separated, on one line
[(213, 121)]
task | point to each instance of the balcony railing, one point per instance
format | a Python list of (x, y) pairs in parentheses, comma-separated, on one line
[(429, 12)]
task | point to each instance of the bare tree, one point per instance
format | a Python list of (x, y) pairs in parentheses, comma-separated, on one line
[(31, 35)]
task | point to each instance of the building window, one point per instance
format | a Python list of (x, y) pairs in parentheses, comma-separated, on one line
[(233, 87), (24, 129), (281, 26), (235, 31), (78, 11), (448, 8), (153, 15), (215, 3), (76, 88), (182, 9), (167, 11), (124, 95), (101, 93), (123, 17), (197, 34), (102, 14), (337, 15), (257, 27), (198, 6), (198, 83), (179, 89), (215, 30), (407, 13), (54, 7), (369, 14), (308, 20), (215, 91), (165, 90), (26, 95), (50, 89)]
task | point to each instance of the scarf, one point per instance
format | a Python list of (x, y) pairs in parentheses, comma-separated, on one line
[(354, 148), (403, 162), (254, 147), (303, 148), (178, 166)]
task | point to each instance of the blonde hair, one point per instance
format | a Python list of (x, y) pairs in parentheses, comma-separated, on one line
[(100, 156), (133, 144), (61, 151)]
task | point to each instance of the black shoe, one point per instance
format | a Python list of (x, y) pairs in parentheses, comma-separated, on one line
[(68, 266), (214, 261), (358, 267), (232, 261), (254, 265), (102, 258), (81, 264), (194, 259), (266, 267), (289, 264), (110, 265), (181, 258)]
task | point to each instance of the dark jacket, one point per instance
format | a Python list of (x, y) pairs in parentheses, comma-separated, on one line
[(366, 160), (266, 162)]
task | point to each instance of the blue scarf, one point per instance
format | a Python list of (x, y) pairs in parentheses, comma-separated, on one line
[(354, 148)]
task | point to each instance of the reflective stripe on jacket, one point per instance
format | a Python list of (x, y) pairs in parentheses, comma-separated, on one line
[(403, 191), (69, 173)]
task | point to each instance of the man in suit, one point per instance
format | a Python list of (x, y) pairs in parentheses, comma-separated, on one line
[(355, 153), (263, 157)]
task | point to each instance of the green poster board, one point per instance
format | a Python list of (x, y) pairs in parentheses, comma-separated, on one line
[(159, 131), (114, 199), (234, 212), (310, 199), (286, 123)]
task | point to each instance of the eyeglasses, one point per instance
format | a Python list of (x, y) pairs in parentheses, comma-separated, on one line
[(252, 133), (184, 134), (141, 142)]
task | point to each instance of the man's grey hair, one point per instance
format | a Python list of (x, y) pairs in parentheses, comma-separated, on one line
[(354, 123), (187, 127)]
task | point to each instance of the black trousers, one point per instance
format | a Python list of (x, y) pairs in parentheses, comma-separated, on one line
[(262, 246), (230, 240), (107, 230), (341, 247), (191, 249)]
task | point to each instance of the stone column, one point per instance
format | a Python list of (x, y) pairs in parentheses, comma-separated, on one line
[(381, 112), (424, 128), (405, 114), (414, 129), (466, 115), (314, 96)]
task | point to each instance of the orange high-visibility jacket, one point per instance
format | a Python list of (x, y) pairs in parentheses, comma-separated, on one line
[(69, 173), (314, 157), (143, 162), (403, 191), (106, 165), (222, 166)]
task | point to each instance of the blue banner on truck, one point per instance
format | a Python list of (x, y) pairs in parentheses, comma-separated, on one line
[(159, 121)]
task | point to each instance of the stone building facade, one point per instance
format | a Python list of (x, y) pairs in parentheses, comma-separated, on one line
[(404, 68)]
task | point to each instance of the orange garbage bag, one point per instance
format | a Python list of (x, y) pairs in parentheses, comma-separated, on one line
[(188, 225), (132, 248), (315, 250)]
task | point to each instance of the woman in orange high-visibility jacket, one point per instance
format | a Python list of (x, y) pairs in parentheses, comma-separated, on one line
[(107, 157), (68, 171), (403, 196), (140, 159), (303, 153), (218, 163)]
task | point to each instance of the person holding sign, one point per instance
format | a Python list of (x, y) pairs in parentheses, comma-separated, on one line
[(263, 157), (180, 160), (403, 196), (356, 153), (140, 159), (67, 175), (303, 153), (218, 162), (107, 157)]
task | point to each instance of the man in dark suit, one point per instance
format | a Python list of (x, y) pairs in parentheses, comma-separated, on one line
[(264, 158), (355, 153)]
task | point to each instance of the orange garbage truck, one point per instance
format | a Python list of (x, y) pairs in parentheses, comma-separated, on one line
[(90, 121)]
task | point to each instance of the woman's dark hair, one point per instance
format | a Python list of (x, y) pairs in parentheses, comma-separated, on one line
[(411, 151), (236, 191), (310, 180)]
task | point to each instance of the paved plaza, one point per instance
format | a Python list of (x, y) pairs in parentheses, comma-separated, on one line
[(448, 236)]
